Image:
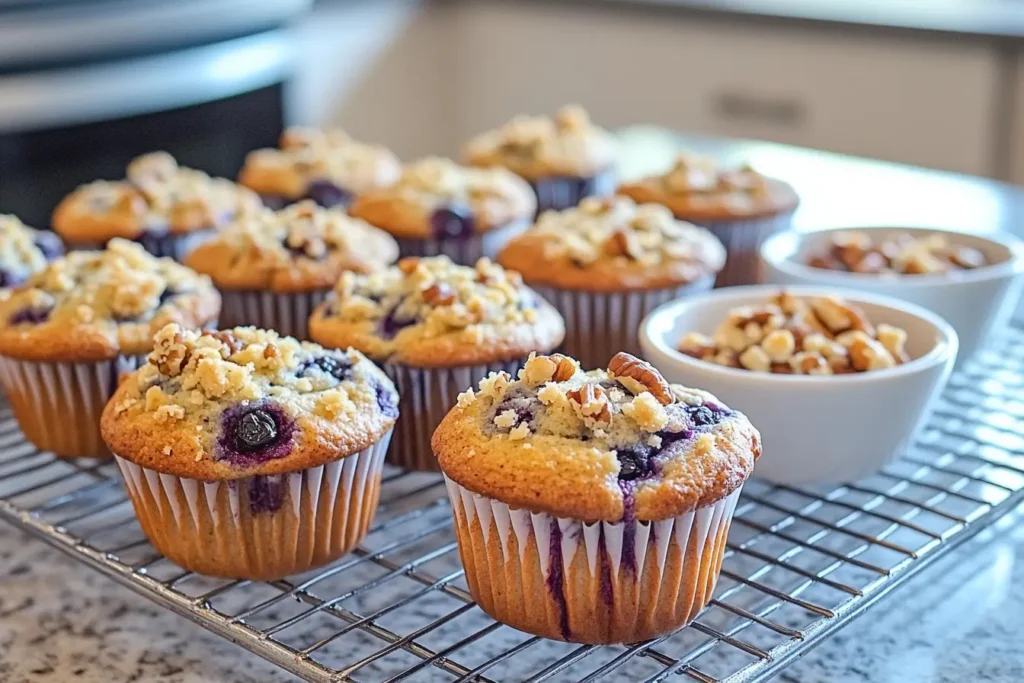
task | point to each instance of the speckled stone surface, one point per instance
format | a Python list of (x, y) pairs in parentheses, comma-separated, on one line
[(59, 621)]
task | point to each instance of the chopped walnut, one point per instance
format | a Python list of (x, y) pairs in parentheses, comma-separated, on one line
[(896, 254)]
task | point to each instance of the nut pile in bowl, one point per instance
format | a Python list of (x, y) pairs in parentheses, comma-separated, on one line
[(800, 336), (896, 254)]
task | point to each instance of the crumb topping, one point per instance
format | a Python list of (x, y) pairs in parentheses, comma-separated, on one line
[(23, 250), (692, 173), (618, 229), (800, 336), (436, 180), (898, 254)]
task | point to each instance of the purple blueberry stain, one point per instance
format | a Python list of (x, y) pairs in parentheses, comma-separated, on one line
[(327, 194), (707, 415), (10, 278), (338, 367), (274, 202), (266, 493), (387, 400), (49, 244), (453, 222), (391, 324), (255, 433), (29, 315), (555, 578)]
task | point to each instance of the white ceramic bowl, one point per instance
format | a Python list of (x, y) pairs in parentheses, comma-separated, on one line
[(813, 428), (975, 302)]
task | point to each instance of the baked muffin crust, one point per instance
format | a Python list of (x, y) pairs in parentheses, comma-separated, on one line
[(301, 248), (613, 244), (534, 147), (245, 402), (157, 196), (429, 312), (605, 445), (435, 193), (94, 305), (24, 250)]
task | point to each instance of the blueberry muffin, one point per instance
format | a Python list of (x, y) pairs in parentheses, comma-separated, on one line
[(23, 251), (593, 507), (68, 331), (326, 166), (565, 158), (436, 328), (274, 268), (249, 455), (609, 262), (167, 208), (439, 207), (739, 205)]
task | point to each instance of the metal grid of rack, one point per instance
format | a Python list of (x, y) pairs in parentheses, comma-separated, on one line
[(802, 561)]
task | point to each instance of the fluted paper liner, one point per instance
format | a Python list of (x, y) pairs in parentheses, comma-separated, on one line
[(463, 250), (742, 239), (425, 395), (58, 405), (288, 313), (262, 527), (600, 324), (589, 583), (558, 193)]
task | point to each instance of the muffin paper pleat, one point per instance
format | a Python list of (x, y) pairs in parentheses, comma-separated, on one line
[(600, 324), (288, 313), (58, 405), (175, 246), (597, 582), (425, 397), (464, 251), (261, 527), (742, 239), (558, 193)]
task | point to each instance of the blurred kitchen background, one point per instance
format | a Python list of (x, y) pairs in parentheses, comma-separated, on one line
[(87, 84)]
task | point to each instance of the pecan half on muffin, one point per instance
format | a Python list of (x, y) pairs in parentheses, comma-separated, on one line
[(325, 166), (609, 262), (440, 207), (739, 205), (436, 328), (250, 455), (593, 507), (274, 268), (24, 251), (167, 208), (70, 329), (564, 158)]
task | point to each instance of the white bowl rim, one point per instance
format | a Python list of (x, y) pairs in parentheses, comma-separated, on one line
[(1011, 266), (946, 347)]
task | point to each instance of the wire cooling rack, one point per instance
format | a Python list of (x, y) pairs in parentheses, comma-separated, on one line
[(801, 562)]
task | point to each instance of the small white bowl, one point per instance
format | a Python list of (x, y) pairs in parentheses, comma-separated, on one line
[(975, 302), (814, 428)]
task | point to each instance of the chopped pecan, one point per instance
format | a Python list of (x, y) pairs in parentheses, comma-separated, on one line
[(439, 294), (592, 401), (565, 368), (639, 376), (229, 340), (838, 316), (621, 243), (270, 351), (408, 264), (967, 257)]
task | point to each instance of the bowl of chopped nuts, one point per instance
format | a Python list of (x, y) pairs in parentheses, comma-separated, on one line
[(972, 281), (837, 381)]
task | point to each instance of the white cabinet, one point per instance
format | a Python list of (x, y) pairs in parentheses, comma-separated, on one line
[(905, 99)]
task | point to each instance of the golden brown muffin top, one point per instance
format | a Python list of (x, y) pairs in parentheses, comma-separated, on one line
[(698, 188), (24, 251), (613, 244), (94, 305), (437, 198), (567, 144), (429, 312), (604, 445), (301, 248), (244, 402)]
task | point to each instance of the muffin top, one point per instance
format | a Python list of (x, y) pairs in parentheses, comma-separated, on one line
[(429, 312), (303, 248), (857, 251), (698, 188), (157, 196), (94, 305), (437, 198), (536, 147), (613, 244), (24, 251), (327, 166), (605, 445), (244, 402)]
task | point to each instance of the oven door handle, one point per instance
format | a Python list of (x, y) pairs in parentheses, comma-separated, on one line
[(143, 85)]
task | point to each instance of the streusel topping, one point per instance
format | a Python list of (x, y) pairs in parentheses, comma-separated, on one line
[(897, 254), (801, 336), (693, 173), (436, 180), (567, 143), (24, 250)]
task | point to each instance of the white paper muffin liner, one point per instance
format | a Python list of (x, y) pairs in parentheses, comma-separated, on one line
[(465, 251), (173, 245), (600, 324), (558, 193), (262, 527), (58, 405), (742, 239), (597, 582), (425, 395), (288, 313)]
